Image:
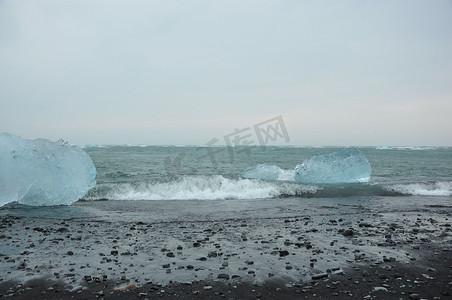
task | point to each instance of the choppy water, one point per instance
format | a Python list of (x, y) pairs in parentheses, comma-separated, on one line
[(202, 173)]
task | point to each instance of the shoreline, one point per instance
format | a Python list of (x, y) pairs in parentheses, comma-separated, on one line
[(285, 249)]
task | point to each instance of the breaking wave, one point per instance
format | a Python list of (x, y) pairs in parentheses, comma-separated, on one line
[(199, 188), (423, 189), (218, 187)]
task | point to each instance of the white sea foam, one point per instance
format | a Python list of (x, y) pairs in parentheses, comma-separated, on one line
[(423, 189), (384, 148), (87, 146), (205, 188), (413, 148)]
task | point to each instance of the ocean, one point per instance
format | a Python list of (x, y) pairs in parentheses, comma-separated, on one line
[(162, 173)]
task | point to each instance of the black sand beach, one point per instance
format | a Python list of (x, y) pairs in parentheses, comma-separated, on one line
[(382, 248)]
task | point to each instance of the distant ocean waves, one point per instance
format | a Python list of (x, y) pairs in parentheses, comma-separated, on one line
[(218, 187)]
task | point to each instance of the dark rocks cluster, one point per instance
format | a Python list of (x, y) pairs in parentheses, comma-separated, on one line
[(336, 253)]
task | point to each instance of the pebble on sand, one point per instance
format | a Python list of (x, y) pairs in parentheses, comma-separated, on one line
[(125, 287)]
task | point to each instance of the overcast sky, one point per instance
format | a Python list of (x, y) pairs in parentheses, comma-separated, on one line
[(184, 72)]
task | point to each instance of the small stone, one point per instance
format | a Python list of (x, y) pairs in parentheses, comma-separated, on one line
[(76, 289), (208, 287), (348, 233), (283, 253), (70, 253), (319, 276), (338, 271), (170, 254), (125, 288), (223, 276), (390, 259), (414, 296)]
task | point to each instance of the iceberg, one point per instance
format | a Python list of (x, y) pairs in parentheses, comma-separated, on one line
[(346, 166), (43, 173)]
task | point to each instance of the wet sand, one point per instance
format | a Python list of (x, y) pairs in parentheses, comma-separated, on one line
[(372, 248)]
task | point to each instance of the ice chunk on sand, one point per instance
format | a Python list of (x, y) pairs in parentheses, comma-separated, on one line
[(268, 172), (40, 172), (346, 166)]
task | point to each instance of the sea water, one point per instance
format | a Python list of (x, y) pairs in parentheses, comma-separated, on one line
[(251, 173), (215, 173)]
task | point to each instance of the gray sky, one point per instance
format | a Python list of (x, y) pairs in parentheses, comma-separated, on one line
[(184, 72)]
